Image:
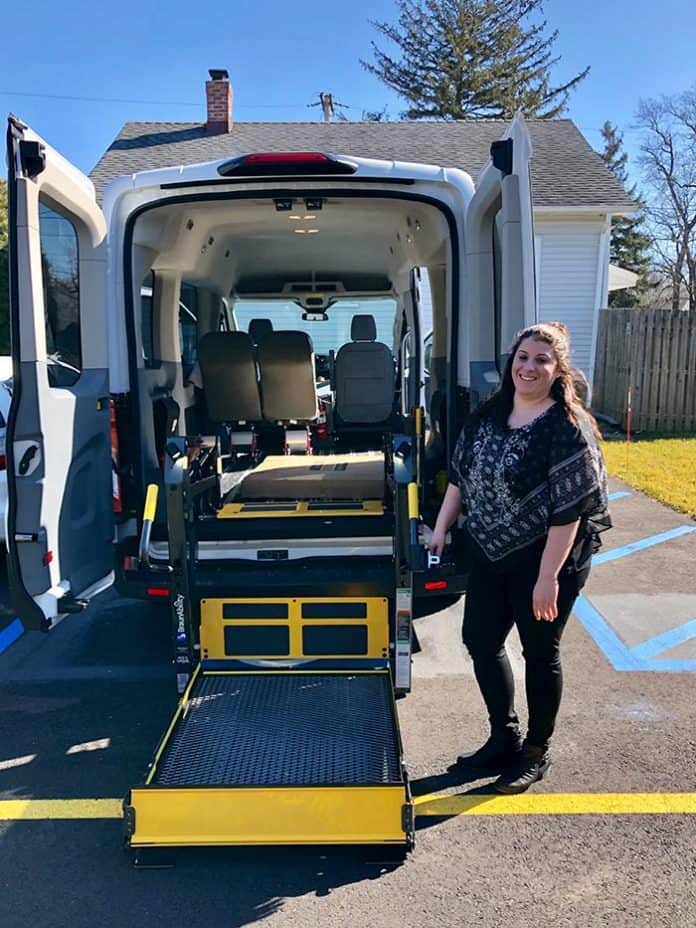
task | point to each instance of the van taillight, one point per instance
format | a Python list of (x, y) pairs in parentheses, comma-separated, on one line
[(115, 479), (435, 585), (3, 462)]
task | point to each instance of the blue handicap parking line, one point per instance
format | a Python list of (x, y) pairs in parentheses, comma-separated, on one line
[(644, 656), (10, 634), (616, 553), (641, 657), (620, 656), (667, 640), (618, 495)]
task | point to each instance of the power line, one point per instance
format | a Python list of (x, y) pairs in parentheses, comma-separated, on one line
[(56, 96)]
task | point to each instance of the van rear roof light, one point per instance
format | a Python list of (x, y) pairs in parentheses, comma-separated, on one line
[(283, 163)]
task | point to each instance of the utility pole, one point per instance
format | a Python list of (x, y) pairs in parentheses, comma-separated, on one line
[(328, 105)]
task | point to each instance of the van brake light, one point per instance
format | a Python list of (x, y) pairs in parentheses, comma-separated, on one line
[(435, 585), (274, 164)]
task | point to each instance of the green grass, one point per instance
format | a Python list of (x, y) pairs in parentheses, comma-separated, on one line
[(664, 468)]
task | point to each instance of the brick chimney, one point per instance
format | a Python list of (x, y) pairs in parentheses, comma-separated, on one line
[(218, 94)]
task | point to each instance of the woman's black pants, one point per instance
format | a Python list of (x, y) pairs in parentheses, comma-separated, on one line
[(494, 602)]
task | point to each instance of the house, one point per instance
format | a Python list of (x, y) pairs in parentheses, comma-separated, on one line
[(574, 194)]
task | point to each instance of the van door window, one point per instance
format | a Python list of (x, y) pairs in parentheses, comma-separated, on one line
[(188, 328), (147, 337), (61, 293)]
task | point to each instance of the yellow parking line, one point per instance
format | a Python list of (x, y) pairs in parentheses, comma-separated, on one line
[(25, 809), (433, 805), (558, 804)]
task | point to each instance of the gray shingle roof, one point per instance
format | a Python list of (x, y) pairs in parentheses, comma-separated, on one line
[(566, 171)]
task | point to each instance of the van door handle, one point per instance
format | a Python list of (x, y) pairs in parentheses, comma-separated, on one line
[(26, 460)]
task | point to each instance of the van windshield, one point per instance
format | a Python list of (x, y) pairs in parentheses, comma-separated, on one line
[(328, 334)]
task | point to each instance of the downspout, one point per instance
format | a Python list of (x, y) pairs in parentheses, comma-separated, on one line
[(601, 293)]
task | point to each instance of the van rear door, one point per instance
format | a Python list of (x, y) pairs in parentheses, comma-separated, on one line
[(500, 292), (59, 521)]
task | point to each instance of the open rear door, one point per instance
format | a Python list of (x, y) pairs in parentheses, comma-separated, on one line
[(500, 293), (59, 521)]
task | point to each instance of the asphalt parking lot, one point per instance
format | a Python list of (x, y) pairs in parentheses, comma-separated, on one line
[(608, 838)]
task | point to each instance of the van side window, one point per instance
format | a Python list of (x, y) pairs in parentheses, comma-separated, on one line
[(61, 293), (188, 328), (147, 291)]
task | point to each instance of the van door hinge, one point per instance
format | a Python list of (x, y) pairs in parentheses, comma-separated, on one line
[(501, 155), (33, 158), (408, 819), (70, 604), (128, 821)]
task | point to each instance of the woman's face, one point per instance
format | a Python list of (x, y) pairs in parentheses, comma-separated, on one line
[(534, 369)]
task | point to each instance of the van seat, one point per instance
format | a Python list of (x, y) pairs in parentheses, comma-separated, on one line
[(286, 368), (228, 370), (365, 376)]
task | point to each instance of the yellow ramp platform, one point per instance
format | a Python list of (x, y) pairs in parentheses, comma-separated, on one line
[(277, 757)]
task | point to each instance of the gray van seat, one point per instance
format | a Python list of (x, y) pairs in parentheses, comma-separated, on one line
[(364, 376), (258, 328), (286, 368), (229, 377)]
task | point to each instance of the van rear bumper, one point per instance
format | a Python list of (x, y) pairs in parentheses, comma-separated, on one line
[(345, 576)]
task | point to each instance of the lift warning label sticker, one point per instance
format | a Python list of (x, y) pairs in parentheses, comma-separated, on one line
[(402, 674)]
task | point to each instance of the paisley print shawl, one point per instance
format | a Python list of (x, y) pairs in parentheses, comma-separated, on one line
[(516, 483)]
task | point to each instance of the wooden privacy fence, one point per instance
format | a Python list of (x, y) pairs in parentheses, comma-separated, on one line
[(652, 351)]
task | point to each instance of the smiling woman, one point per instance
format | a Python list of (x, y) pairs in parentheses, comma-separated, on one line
[(529, 479)]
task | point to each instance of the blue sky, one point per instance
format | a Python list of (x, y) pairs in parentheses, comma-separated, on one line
[(280, 55)]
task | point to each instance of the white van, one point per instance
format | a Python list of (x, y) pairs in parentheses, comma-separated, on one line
[(106, 370)]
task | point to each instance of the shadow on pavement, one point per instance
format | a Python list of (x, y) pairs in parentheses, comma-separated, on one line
[(225, 888), (427, 814)]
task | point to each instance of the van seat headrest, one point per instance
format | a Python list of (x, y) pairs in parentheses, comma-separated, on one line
[(258, 328), (363, 329)]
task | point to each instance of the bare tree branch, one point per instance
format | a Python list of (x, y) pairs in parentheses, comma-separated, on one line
[(668, 160)]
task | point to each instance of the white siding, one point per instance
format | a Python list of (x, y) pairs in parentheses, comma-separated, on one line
[(567, 283)]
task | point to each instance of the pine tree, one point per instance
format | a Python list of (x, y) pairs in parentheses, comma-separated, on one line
[(630, 245), (471, 59)]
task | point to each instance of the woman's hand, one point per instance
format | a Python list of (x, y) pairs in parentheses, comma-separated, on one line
[(449, 510), (545, 598), (436, 544)]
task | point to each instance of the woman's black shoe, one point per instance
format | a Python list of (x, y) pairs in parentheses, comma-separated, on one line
[(529, 766), (496, 754)]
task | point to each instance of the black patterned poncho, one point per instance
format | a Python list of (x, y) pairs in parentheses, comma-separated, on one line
[(516, 483)]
